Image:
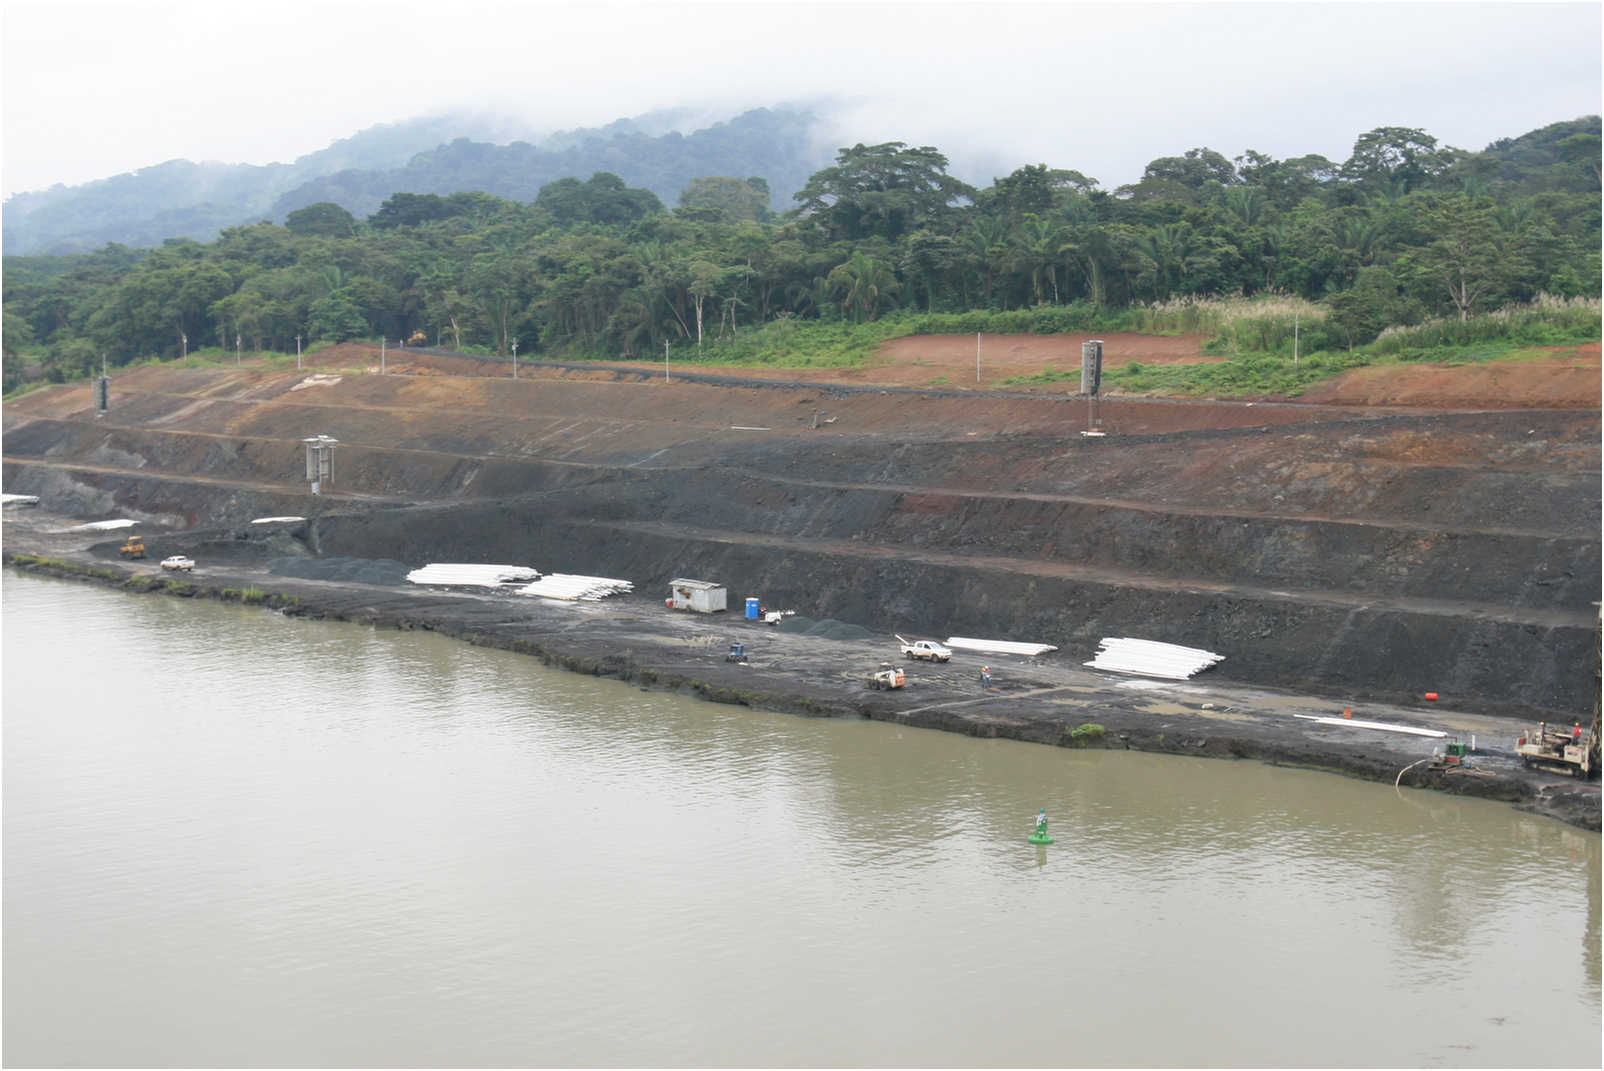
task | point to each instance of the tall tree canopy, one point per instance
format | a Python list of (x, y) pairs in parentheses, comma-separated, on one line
[(884, 191)]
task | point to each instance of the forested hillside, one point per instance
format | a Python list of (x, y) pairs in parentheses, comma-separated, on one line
[(772, 144), (1402, 231), (444, 155), (182, 199)]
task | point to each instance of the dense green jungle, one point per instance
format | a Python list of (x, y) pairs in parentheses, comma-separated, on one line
[(1407, 250)]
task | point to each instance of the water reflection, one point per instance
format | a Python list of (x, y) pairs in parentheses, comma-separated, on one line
[(418, 851)]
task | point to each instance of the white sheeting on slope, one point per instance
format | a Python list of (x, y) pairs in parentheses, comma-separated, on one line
[(577, 588), (457, 575), (1149, 658), (102, 526), (964, 643)]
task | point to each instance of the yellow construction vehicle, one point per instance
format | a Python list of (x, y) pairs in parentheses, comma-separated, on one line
[(887, 676), (1554, 747), (133, 547)]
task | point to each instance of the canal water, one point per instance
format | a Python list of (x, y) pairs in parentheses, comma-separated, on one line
[(233, 838)]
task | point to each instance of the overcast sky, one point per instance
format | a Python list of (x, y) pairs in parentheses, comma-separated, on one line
[(94, 89)]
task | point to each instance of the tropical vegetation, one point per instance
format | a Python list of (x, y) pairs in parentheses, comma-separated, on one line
[(1404, 234)]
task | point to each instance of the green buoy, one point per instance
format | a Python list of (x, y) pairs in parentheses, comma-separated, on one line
[(1040, 836)]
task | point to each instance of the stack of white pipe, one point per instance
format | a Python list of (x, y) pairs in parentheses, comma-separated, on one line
[(449, 574), (581, 588), (964, 643), (277, 520), (1149, 658)]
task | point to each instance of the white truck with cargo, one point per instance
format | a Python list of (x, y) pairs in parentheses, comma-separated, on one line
[(925, 650)]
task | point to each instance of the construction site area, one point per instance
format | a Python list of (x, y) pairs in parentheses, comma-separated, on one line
[(1388, 550)]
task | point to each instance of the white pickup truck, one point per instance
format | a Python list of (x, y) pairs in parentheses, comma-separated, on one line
[(179, 564), (928, 650)]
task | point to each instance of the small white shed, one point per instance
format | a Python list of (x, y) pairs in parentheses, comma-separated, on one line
[(703, 596)]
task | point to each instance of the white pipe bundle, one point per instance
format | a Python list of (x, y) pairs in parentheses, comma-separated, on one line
[(1149, 658), (576, 588), (278, 520), (1350, 723), (9, 499), (448, 574), (964, 643)]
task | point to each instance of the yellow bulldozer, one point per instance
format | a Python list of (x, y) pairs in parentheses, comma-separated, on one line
[(133, 547)]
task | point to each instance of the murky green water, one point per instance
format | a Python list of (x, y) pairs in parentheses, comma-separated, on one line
[(233, 838)]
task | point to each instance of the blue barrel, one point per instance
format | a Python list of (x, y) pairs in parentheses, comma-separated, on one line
[(751, 609)]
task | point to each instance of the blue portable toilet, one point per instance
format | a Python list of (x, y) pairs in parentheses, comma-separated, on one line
[(751, 609)]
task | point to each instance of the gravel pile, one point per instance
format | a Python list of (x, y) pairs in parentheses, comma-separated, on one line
[(384, 571), (827, 629)]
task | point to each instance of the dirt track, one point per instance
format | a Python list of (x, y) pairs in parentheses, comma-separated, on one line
[(1346, 553)]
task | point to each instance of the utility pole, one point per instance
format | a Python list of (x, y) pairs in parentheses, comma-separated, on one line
[(236, 350), (665, 360), (381, 355), (183, 344), (977, 356), (515, 357), (297, 353), (1294, 337)]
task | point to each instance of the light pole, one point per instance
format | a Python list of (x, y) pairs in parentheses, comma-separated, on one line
[(381, 355), (236, 351), (515, 357), (183, 344), (297, 353), (665, 360)]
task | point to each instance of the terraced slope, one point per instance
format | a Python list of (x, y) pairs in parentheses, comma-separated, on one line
[(1337, 551)]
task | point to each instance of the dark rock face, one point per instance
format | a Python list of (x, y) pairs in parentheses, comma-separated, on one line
[(1361, 554)]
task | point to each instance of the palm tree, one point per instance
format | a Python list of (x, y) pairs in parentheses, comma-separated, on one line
[(987, 242), (1165, 251), (1245, 203), (1039, 242), (865, 284), (1089, 246), (1359, 238)]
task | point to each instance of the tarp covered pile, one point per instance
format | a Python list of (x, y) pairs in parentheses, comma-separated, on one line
[(582, 588), (1149, 658), (964, 643), (447, 574)]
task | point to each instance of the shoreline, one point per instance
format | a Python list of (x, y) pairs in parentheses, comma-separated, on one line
[(1049, 700)]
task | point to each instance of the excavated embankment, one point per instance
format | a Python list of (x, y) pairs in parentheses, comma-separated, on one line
[(1368, 554)]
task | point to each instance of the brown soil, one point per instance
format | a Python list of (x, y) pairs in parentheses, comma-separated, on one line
[(1566, 377), (949, 360)]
